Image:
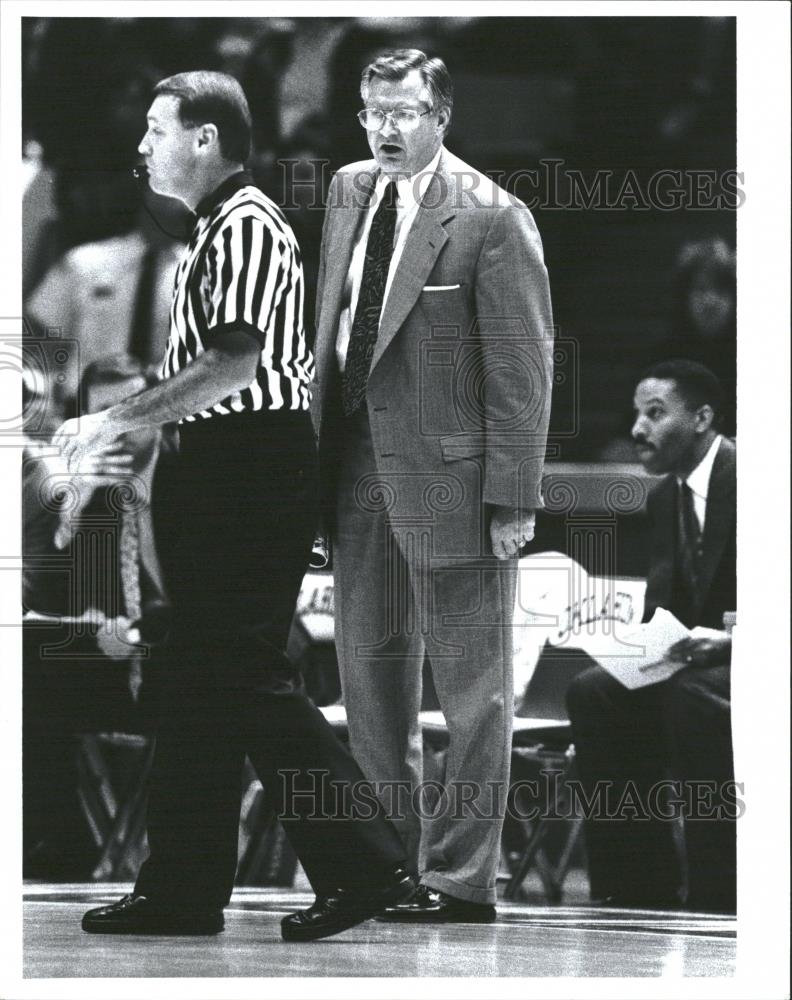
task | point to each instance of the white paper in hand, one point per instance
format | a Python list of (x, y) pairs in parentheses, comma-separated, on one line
[(638, 657)]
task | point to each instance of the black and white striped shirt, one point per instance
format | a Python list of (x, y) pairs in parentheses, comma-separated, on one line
[(242, 271)]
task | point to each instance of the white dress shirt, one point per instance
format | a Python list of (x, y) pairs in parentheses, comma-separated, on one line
[(699, 479), (409, 194)]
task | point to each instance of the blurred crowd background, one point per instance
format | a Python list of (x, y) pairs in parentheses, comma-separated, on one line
[(617, 93)]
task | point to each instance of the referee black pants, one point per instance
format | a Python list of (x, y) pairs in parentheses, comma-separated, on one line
[(244, 511)]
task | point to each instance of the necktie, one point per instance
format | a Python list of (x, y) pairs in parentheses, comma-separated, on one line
[(140, 332), (129, 564), (365, 327), (689, 540)]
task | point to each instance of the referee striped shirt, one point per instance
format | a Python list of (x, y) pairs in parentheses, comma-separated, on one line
[(242, 271)]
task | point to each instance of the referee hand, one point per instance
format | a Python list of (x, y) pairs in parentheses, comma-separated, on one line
[(111, 464), (79, 439)]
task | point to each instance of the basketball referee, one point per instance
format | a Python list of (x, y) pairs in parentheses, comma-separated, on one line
[(236, 378)]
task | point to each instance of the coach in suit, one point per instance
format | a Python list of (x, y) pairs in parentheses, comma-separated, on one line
[(434, 356), (680, 728)]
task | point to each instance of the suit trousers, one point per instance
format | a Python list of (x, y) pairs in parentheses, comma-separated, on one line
[(244, 513), (678, 731), (396, 600)]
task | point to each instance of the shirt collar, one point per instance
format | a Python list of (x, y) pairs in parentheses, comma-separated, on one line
[(411, 189), (229, 186), (699, 478)]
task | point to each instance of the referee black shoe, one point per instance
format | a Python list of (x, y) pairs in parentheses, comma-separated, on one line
[(140, 915), (344, 909)]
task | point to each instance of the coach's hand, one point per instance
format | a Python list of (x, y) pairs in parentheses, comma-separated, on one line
[(510, 529), (702, 651), (82, 437)]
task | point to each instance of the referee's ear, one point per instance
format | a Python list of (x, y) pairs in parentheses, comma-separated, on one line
[(208, 135)]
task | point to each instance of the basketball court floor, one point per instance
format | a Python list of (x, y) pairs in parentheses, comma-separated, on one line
[(527, 941)]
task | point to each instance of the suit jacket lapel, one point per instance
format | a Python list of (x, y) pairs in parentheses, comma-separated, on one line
[(421, 249), (719, 523), (339, 254), (660, 584)]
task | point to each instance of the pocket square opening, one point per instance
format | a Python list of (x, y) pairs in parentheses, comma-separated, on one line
[(440, 288)]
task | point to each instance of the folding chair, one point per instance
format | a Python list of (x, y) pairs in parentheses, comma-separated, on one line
[(265, 855), (68, 695), (543, 738), (115, 807)]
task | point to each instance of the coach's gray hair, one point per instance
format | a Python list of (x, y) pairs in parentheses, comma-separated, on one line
[(395, 65)]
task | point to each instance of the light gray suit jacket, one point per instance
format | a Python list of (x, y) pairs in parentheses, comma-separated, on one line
[(460, 381)]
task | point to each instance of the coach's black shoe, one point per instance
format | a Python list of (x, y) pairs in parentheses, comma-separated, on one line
[(426, 906), (139, 915), (344, 909)]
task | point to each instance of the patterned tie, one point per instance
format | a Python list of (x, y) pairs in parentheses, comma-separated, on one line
[(365, 327), (689, 540), (129, 566), (129, 560)]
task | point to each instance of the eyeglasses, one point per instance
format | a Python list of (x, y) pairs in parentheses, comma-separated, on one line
[(404, 119)]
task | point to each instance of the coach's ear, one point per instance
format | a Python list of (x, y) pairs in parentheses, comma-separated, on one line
[(443, 120)]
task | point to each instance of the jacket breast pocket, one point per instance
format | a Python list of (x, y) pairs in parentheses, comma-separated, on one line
[(463, 448), (444, 305)]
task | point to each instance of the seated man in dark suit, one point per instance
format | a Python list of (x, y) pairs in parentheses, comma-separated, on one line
[(679, 728), (94, 597)]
